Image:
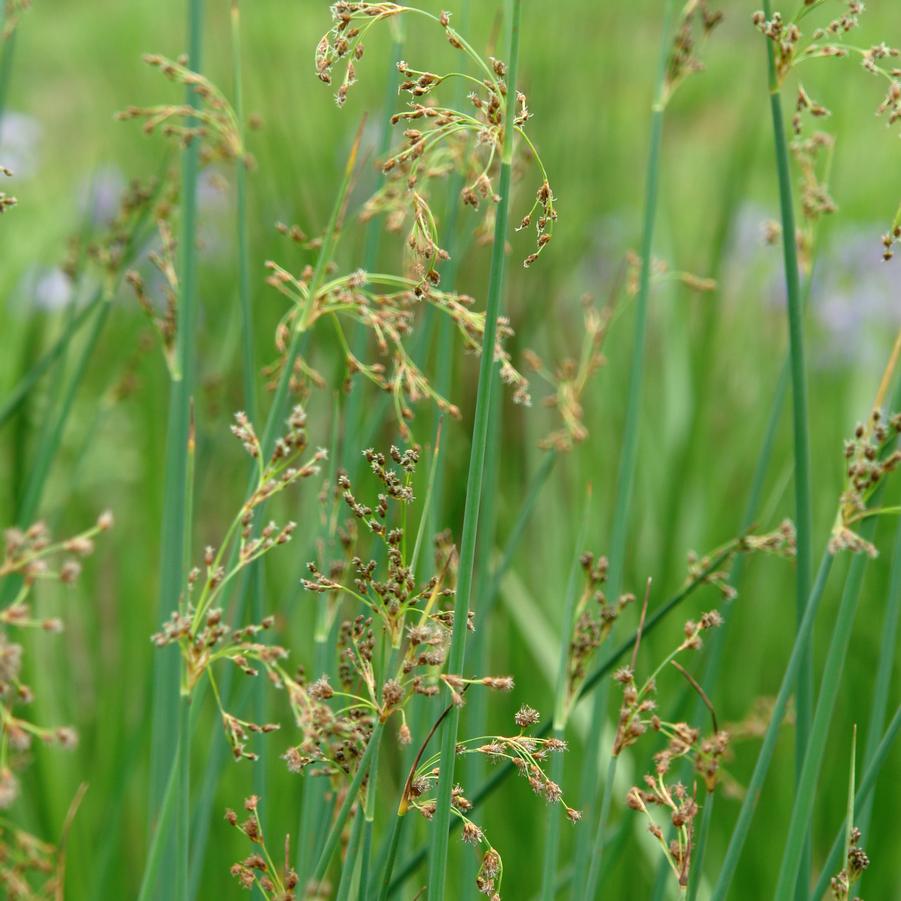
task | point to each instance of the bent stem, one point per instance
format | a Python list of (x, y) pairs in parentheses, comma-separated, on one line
[(438, 859)]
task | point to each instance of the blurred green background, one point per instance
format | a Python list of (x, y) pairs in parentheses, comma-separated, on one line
[(713, 364)]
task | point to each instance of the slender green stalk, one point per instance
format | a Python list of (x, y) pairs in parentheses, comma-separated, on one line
[(629, 452), (594, 870), (456, 655), (803, 508), (397, 824), (819, 734), (349, 870), (172, 562), (159, 836), (183, 800), (768, 747), (561, 710), (884, 670), (595, 678), (476, 714), (867, 784)]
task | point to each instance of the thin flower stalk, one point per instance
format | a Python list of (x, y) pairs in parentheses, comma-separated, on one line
[(439, 851)]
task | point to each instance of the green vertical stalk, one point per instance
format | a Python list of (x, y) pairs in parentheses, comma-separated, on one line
[(597, 856), (456, 655), (7, 51), (803, 510), (790, 872), (629, 453), (172, 562), (477, 710), (249, 370), (768, 747), (561, 710), (883, 682), (348, 871)]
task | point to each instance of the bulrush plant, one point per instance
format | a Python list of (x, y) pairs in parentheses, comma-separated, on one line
[(30, 867)]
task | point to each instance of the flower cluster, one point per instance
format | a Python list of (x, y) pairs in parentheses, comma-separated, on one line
[(438, 139), (527, 753), (595, 616), (698, 21), (212, 121), (781, 542), (857, 862), (871, 455), (570, 379), (31, 556), (258, 870), (386, 305), (790, 48), (197, 626)]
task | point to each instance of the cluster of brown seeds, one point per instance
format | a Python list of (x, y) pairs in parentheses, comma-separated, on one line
[(871, 454), (781, 542), (595, 617), (258, 869), (698, 22), (527, 753), (387, 306), (854, 867), (212, 121)]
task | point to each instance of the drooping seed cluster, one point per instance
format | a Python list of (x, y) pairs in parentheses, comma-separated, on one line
[(697, 23), (830, 41), (570, 378), (197, 624), (437, 139), (871, 454), (780, 542), (527, 753), (386, 306), (212, 122)]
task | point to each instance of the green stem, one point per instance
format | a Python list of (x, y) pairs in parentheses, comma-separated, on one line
[(172, 561), (629, 452), (348, 870), (594, 871), (438, 860), (768, 747), (883, 682), (561, 709), (182, 822), (803, 509)]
